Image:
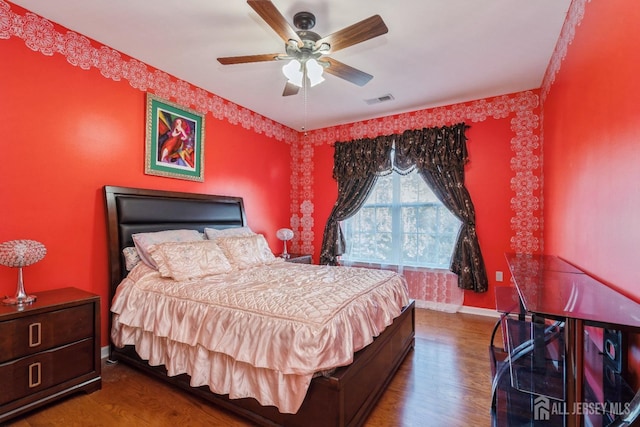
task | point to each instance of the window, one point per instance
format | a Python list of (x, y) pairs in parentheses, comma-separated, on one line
[(401, 223)]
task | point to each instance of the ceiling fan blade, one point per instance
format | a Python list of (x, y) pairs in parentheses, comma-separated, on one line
[(290, 89), (229, 60), (346, 72), (361, 31), (275, 20)]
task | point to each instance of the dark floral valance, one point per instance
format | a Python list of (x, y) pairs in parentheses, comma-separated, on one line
[(439, 154), (434, 148), (362, 157), (428, 148)]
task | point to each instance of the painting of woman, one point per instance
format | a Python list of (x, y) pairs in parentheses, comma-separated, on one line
[(175, 142)]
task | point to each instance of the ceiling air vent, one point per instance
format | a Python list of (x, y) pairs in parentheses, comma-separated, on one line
[(383, 98)]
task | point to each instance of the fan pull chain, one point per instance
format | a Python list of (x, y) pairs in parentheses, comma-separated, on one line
[(305, 86)]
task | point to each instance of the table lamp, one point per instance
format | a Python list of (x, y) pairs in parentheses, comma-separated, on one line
[(284, 234), (20, 253)]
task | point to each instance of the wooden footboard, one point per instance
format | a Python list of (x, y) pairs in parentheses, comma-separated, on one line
[(345, 398)]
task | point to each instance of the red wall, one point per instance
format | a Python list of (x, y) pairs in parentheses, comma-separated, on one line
[(488, 179), (68, 132), (592, 148)]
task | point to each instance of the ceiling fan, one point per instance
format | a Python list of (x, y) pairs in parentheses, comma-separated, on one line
[(307, 50)]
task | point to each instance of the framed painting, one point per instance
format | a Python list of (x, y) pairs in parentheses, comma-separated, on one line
[(175, 140)]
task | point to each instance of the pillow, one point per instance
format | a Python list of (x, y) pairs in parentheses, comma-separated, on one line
[(214, 233), (131, 257), (143, 241), (189, 260), (246, 251)]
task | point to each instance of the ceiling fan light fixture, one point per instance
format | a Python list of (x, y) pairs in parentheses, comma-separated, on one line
[(303, 45), (293, 72)]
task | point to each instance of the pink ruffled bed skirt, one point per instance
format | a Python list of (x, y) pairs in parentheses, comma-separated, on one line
[(262, 332)]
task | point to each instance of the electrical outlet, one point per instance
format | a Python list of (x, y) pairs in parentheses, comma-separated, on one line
[(498, 276)]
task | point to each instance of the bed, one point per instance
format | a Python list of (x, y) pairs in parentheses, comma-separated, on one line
[(343, 396)]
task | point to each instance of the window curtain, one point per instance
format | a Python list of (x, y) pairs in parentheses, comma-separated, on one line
[(357, 165), (439, 154)]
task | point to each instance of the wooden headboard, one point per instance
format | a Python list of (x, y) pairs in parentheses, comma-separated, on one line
[(135, 210)]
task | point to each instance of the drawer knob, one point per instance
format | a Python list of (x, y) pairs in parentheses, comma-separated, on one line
[(34, 374), (35, 334)]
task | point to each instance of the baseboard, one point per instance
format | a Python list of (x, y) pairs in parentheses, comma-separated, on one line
[(104, 352), (456, 308), (479, 311), (438, 306)]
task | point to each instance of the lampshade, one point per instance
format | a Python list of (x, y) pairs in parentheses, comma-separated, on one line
[(284, 234), (314, 72), (293, 72), (21, 253)]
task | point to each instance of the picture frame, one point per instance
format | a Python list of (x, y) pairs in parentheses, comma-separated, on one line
[(174, 140)]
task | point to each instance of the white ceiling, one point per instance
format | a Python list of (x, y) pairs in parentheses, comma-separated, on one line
[(437, 52)]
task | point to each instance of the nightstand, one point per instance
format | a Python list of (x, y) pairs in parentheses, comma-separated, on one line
[(48, 349), (299, 258)]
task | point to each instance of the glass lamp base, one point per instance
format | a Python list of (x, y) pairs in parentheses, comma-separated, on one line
[(28, 299), (21, 297)]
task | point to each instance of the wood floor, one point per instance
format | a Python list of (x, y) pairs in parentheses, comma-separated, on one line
[(444, 381)]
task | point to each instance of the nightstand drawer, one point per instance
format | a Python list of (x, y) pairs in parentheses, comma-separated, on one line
[(31, 334), (31, 374)]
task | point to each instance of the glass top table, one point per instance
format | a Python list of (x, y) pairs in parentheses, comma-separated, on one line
[(551, 287)]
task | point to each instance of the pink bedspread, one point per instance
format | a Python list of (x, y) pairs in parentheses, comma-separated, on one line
[(261, 332)]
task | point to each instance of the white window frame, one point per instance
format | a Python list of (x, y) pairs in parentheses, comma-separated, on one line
[(397, 234)]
